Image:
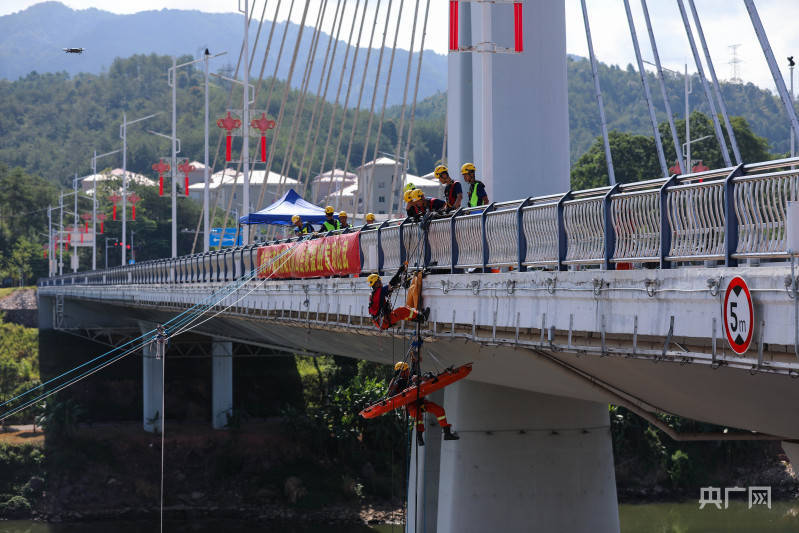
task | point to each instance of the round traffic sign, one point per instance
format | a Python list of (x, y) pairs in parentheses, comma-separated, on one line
[(739, 315)]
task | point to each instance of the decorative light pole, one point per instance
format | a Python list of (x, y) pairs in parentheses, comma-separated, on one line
[(94, 204), (114, 198), (161, 167), (175, 151), (101, 217), (123, 133), (187, 168)]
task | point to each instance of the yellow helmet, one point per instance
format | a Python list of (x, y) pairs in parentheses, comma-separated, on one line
[(329, 210), (402, 365), (407, 196), (295, 219), (440, 169), (372, 279), (468, 167), (409, 187), (342, 214), (370, 217), (416, 194)]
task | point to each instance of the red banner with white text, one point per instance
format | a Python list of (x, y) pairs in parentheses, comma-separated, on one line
[(335, 255)]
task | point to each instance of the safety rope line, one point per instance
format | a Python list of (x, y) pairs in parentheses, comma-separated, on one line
[(362, 186), (370, 181), (321, 102), (397, 154), (184, 325), (335, 106)]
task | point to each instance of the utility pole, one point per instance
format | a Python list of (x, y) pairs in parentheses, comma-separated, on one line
[(791, 65), (245, 128), (206, 219), (123, 134), (61, 234), (174, 159), (94, 205)]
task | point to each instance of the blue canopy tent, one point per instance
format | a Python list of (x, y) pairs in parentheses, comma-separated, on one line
[(283, 209)]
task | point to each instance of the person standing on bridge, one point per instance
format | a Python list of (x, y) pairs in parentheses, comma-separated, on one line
[(380, 307), (342, 220), (330, 223), (300, 227), (477, 191), (453, 193), (402, 380)]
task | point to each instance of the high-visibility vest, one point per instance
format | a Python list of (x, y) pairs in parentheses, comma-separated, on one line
[(473, 198), (330, 226)]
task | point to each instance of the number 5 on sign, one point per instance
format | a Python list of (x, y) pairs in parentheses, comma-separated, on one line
[(739, 315)]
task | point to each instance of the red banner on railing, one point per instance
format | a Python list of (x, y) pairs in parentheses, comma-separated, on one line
[(326, 256)]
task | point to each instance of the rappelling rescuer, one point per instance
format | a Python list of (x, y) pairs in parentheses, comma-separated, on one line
[(402, 380), (380, 306)]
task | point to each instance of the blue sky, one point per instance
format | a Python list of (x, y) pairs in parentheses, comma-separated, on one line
[(725, 23)]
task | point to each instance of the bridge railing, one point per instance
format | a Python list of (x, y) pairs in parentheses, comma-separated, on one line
[(724, 215)]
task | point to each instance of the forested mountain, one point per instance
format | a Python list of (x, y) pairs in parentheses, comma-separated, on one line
[(32, 40)]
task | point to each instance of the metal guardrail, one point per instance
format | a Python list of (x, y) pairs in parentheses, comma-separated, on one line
[(724, 215)]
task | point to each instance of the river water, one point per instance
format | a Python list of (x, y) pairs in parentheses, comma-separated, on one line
[(783, 517)]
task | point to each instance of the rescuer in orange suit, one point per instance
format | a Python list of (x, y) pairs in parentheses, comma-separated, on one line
[(380, 307), (402, 380)]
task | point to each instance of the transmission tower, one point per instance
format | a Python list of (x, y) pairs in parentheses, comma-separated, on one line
[(733, 63)]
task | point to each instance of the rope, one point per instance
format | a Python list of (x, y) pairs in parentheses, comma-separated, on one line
[(383, 111), (397, 153), (183, 325), (362, 186)]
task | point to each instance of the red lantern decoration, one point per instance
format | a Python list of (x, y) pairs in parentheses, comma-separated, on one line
[(161, 167), (70, 229), (228, 123), (518, 28), (186, 168), (114, 199), (86, 218), (133, 198), (101, 217), (263, 124)]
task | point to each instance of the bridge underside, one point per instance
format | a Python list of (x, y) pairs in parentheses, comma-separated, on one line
[(719, 394)]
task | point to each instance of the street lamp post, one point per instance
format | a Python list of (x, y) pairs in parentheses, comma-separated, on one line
[(95, 157), (171, 77), (686, 146), (791, 65), (123, 134)]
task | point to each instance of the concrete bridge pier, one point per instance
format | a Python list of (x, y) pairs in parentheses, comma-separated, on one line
[(545, 467), (221, 382), (429, 459)]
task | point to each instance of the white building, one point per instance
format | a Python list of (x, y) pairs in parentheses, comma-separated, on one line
[(227, 182), (87, 183), (329, 183), (377, 177)]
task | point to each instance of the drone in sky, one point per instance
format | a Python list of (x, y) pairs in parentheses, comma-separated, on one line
[(73, 50)]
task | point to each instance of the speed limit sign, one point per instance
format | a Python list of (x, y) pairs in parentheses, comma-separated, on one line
[(739, 315)]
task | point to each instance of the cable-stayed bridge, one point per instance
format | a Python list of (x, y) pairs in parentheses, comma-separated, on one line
[(565, 300)]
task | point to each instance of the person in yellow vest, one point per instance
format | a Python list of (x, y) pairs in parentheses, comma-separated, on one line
[(300, 227), (330, 223), (477, 191)]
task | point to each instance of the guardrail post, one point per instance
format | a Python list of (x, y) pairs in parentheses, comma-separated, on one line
[(453, 247), (483, 215), (562, 245), (380, 257), (730, 218), (610, 233), (665, 229), (426, 245), (401, 231), (521, 242)]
